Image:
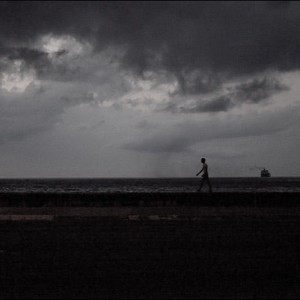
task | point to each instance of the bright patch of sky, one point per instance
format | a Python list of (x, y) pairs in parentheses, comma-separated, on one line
[(15, 79), (53, 45)]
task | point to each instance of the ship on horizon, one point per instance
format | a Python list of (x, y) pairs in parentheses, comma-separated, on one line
[(265, 173)]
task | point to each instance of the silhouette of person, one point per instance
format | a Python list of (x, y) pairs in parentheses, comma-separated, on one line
[(205, 177)]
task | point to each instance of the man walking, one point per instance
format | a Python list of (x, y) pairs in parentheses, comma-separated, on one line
[(205, 177)]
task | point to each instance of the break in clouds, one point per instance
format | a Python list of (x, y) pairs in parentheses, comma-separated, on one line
[(194, 68)]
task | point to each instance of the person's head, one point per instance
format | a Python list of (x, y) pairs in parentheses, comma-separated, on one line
[(203, 160)]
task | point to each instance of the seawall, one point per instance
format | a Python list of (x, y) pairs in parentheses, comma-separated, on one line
[(149, 199)]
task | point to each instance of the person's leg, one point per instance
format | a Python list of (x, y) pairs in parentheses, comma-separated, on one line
[(209, 185), (201, 185)]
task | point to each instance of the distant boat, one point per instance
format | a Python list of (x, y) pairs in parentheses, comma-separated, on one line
[(265, 173)]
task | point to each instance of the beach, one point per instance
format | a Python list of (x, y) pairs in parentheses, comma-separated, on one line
[(140, 249)]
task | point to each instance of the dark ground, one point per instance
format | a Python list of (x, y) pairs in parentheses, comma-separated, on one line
[(212, 256)]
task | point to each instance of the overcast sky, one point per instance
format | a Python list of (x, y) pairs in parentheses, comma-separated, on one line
[(145, 89)]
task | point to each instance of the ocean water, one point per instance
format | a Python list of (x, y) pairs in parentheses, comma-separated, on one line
[(148, 185)]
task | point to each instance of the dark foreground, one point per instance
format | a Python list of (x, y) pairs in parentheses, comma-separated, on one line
[(214, 253)]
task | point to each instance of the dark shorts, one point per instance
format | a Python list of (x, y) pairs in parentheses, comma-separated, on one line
[(205, 176)]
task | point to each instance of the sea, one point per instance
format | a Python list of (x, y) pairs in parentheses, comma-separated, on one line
[(149, 185)]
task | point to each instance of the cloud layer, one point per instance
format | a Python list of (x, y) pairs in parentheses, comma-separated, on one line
[(199, 46), (188, 72), (200, 43)]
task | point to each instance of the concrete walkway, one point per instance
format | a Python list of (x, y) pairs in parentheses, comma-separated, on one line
[(138, 213), (149, 253)]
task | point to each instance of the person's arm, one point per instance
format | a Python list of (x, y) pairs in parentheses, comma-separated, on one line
[(199, 172)]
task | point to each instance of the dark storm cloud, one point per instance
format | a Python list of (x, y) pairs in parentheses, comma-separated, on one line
[(31, 58), (193, 83), (222, 103), (258, 90), (42, 63), (251, 92), (228, 38), (201, 45), (218, 104)]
